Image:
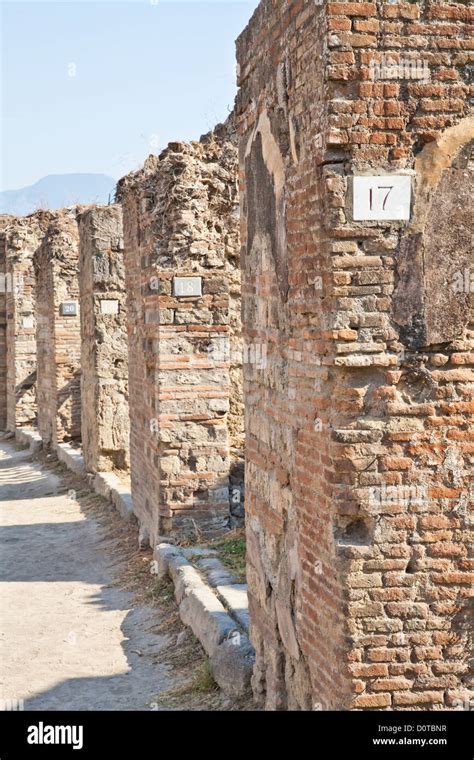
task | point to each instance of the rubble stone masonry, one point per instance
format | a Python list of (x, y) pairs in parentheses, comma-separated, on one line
[(104, 351), (359, 441), (4, 222), (22, 238), (58, 334), (181, 220)]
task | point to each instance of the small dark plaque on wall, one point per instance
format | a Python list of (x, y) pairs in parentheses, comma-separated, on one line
[(68, 309)]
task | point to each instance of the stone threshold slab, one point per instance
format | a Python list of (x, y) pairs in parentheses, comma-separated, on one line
[(222, 630)]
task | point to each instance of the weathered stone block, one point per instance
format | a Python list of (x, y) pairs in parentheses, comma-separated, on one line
[(183, 284), (104, 351), (355, 418), (19, 240), (58, 336)]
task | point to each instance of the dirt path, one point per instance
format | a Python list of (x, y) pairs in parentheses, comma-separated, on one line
[(71, 636)]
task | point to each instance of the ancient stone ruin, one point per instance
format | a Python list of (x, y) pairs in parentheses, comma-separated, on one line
[(180, 216), (4, 221), (58, 331), (22, 237), (358, 453), (105, 427), (316, 324)]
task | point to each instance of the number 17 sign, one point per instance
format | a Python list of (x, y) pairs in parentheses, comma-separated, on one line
[(381, 197)]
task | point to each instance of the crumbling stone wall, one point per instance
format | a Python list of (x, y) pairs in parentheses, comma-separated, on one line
[(23, 236), (3, 341), (104, 353), (58, 335), (5, 220), (181, 220), (358, 447)]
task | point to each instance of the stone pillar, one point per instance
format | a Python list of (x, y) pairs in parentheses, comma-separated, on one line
[(181, 258), (104, 352), (5, 220), (357, 283), (23, 236), (58, 331)]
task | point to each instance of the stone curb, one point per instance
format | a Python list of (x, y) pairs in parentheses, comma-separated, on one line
[(29, 437), (224, 639), (109, 485), (231, 655), (71, 458)]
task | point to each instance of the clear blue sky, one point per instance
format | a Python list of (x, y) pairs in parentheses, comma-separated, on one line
[(96, 86)]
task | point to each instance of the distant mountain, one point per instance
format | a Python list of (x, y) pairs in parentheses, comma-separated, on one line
[(57, 191)]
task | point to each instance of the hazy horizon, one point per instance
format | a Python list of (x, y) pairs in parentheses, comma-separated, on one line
[(95, 87)]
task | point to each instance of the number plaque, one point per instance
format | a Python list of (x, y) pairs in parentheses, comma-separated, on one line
[(384, 198), (187, 286), (68, 309)]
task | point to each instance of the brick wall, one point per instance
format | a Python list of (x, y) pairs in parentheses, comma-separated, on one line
[(104, 353), (23, 236), (358, 448), (4, 222), (3, 341), (181, 219), (58, 336)]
